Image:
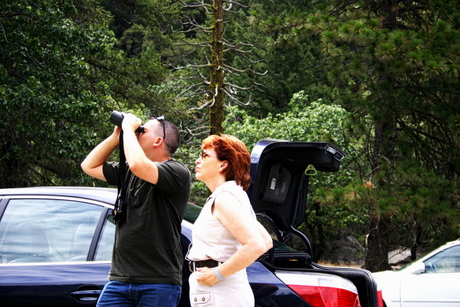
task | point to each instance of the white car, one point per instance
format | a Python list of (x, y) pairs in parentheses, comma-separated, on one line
[(432, 280)]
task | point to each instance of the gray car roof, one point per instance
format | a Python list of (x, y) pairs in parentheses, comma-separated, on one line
[(107, 195)]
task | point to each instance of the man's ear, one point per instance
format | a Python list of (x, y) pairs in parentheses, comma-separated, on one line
[(158, 141)]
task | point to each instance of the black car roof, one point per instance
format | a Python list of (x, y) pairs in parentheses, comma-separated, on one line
[(107, 195)]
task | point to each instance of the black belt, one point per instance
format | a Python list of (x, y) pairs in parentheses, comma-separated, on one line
[(210, 263)]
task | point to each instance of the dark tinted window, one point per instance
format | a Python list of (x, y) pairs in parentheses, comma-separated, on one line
[(192, 212)]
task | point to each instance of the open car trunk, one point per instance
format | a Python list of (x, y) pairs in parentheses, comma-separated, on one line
[(280, 173)]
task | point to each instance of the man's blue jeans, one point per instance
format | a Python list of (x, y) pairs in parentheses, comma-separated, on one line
[(123, 294)]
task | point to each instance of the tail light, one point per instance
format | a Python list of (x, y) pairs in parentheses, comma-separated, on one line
[(322, 290), (380, 298)]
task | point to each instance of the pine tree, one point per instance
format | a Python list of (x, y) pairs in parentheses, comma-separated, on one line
[(401, 59), (395, 65)]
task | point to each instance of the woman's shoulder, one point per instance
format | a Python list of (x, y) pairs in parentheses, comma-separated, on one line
[(231, 194)]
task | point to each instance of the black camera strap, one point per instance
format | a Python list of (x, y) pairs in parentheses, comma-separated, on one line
[(121, 203)]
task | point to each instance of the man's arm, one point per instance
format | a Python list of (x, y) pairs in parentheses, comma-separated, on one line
[(92, 165), (138, 162)]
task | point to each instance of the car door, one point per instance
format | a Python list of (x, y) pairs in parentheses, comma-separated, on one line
[(47, 245), (438, 285)]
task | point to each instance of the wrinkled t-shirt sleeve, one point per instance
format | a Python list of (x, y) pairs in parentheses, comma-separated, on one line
[(110, 170), (173, 176)]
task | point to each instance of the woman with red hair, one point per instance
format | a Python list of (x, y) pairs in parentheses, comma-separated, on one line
[(226, 237)]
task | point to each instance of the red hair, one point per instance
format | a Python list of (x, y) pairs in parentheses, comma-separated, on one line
[(231, 149)]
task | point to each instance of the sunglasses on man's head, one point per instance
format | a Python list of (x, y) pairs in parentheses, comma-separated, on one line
[(162, 120)]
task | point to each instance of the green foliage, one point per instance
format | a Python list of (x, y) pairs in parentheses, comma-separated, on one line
[(312, 122), (418, 196), (380, 82), (291, 63), (45, 93), (154, 14), (395, 69), (307, 121), (401, 64)]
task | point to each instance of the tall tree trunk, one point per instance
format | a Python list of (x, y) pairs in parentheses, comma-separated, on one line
[(377, 244), (384, 150), (317, 230), (216, 112), (377, 240), (417, 233)]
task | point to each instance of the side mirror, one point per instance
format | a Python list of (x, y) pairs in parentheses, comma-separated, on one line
[(418, 268)]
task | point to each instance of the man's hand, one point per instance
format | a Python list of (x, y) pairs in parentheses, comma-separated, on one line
[(116, 132), (130, 122)]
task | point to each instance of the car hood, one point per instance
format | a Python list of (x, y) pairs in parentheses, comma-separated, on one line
[(280, 172), (384, 275)]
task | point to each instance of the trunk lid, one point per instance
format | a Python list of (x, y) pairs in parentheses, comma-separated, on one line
[(280, 172)]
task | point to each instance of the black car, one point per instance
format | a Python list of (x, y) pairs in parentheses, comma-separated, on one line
[(56, 242)]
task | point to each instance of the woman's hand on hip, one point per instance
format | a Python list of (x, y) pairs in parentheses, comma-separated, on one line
[(206, 276)]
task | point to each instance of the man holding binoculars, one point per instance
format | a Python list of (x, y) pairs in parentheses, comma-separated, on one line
[(147, 256)]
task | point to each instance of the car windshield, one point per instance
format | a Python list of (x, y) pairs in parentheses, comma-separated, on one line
[(452, 254), (446, 261)]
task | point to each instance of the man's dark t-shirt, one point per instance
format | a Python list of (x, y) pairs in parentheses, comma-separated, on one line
[(147, 245)]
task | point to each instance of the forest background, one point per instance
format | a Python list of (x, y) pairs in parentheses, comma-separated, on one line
[(378, 78)]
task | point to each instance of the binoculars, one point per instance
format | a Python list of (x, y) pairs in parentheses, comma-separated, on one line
[(116, 118)]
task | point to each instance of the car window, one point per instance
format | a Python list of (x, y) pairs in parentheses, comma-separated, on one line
[(105, 247), (446, 261), (47, 230), (191, 213)]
